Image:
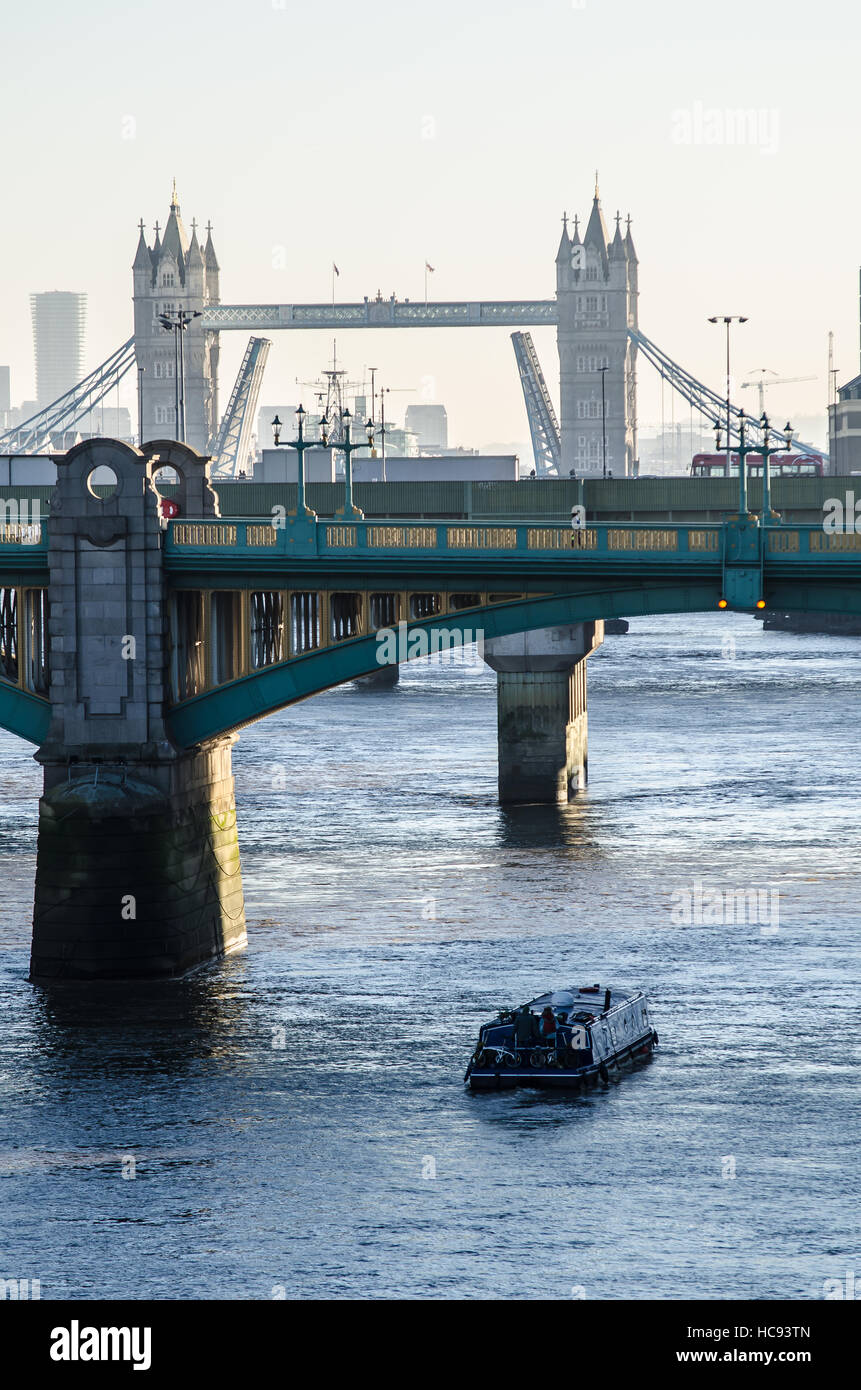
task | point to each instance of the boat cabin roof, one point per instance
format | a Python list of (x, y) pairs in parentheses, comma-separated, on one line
[(580, 998)]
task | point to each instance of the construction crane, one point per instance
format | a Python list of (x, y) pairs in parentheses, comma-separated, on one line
[(543, 424), (758, 379), (232, 445)]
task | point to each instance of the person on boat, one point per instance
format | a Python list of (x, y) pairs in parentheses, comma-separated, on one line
[(548, 1027), (523, 1026)]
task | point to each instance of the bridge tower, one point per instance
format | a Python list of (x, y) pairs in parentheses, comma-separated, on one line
[(596, 293), (176, 273), (137, 865)]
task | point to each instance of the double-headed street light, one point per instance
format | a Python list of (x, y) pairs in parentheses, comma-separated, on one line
[(348, 448), (177, 323), (300, 444)]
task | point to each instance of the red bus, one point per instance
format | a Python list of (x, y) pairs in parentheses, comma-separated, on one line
[(782, 466)]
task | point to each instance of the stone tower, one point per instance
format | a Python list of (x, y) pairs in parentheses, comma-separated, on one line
[(176, 273), (596, 293)]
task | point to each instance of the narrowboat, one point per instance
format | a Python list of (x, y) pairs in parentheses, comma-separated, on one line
[(568, 1037)]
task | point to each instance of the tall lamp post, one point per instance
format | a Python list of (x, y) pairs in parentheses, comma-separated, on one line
[(300, 444), (603, 371), (141, 371), (727, 319), (348, 448), (177, 324), (383, 390)]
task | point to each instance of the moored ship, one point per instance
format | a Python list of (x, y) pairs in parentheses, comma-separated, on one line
[(567, 1037)]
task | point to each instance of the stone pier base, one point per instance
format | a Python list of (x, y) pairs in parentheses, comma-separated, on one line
[(542, 711), (137, 871)]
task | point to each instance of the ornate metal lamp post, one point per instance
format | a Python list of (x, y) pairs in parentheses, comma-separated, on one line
[(743, 450), (767, 514), (300, 444), (348, 448)]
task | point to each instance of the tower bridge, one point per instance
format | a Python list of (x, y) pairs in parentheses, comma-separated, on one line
[(594, 312), (133, 651)]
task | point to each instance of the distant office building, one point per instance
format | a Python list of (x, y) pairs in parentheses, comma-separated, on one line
[(59, 320), (844, 429), (5, 390), (429, 423)]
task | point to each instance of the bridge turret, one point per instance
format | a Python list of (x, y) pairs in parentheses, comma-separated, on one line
[(182, 277), (594, 305)]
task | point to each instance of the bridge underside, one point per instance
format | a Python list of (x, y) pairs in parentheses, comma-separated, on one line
[(268, 648), (232, 705)]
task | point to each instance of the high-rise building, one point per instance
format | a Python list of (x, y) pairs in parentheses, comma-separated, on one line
[(596, 294), (59, 320), (5, 390), (175, 274), (430, 424)]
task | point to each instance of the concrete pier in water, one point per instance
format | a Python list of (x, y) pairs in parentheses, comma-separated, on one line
[(542, 711)]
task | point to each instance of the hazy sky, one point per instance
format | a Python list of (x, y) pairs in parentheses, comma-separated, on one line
[(384, 134)]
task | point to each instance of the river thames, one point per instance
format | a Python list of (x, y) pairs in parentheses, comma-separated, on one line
[(293, 1122)]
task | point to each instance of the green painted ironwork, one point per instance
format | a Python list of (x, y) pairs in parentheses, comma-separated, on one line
[(24, 714)]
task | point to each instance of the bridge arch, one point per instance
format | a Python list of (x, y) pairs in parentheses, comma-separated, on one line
[(230, 707)]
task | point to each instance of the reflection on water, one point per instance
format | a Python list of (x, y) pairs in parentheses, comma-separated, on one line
[(285, 1109)]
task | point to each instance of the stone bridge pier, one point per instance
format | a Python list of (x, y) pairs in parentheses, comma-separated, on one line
[(541, 711), (137, 873)]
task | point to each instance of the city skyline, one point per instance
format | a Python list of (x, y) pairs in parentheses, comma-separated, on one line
[(712, 178)]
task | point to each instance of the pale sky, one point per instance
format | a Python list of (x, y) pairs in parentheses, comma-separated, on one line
[(386, 134)]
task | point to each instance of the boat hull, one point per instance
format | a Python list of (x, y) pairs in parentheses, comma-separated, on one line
[(552, 1077)]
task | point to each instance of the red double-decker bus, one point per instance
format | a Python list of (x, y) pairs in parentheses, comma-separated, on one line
[(782, 466)]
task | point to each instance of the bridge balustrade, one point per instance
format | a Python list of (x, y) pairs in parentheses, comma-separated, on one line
[(324, 537)]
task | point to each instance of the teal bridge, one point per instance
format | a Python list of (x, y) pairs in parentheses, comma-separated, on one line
[(266, 612)]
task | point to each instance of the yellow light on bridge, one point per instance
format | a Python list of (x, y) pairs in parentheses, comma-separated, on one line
[(721, 603), (760, 603)]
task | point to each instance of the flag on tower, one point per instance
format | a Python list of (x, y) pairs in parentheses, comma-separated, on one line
[(336, 270), (429, 267)]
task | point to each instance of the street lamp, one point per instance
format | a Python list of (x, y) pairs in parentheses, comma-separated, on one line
[(177, 324), (300, 444), (767, 513), (348, 448), (141, 371), (727, 319), (603, 371), (743, 450)]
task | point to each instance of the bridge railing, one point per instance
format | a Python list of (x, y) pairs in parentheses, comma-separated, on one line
[(346, 538), (18, 533)]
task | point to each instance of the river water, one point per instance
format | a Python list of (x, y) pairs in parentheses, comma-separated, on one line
[(295, 1118)]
